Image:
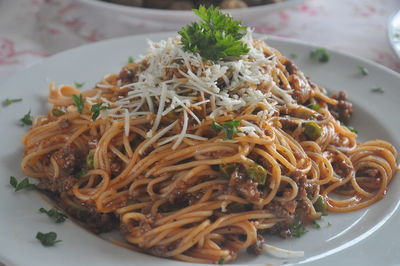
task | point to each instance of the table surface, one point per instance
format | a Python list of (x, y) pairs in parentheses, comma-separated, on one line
[(31, 30)]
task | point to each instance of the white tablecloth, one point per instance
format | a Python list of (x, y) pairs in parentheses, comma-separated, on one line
[(31, 30)]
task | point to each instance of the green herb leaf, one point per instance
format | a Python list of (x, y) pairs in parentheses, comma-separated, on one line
[(54, 214), (7, 102), (363, 70), (229, 128), (293, 55), (321, 55), (352, 129), (13, 182), (27, 119), (316, 224), (96, 108), (314, 106), (378, 90), (57, 112), (79, 85), (312, 130), (78, 101), (24, 184), (221, 261), (329, 224), (47, 239), (216, 37), (320, 205), (298, 229), (257, 173), (131, 60)]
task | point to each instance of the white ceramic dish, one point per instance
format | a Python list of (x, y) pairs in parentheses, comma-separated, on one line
[(247, 15), (394, 32), (366, 237)]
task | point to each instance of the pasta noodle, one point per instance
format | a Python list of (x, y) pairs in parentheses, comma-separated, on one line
[(196, 161)]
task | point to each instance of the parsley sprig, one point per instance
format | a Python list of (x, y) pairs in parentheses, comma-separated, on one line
[(78, 101), (55, 215), (24, 184), (47, 239), (96, 108), (230, 128), (7, 102), (26, 120), (321, 55), (217, 36)]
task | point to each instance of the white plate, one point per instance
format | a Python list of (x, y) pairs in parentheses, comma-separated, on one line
[(247, 15), (366, 237)]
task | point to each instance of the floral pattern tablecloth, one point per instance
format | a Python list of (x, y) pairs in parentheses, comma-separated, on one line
[(31, 30)]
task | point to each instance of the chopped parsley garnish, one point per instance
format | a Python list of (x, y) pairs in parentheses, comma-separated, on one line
[(7, 102), (130, 60), (321, 55), (293, 55), (316, 224), (229, 128), (216, 36), (79, 85), (363, 70), (221, 261), (24, 184), (78, 101), (352, 129), (314, 106), (27, 119), (96, 108), (329, 224), (57, 112), (298, 229), (81, 173), (378, 90), (55, 215), (227, 169), (47, 239), (320, 205)]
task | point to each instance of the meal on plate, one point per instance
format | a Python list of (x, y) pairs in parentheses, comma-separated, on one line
[(189, 4), (205, 146)]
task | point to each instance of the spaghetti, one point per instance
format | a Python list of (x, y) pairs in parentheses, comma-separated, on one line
[(196, 160)]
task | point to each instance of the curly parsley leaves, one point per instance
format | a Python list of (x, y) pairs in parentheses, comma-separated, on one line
[(7, 102), (26, 120), (24, 184), (298, 229), (55, 215), (321, 55), (79, 85), (97, 108), (78, 101), (230, 128), (217, 36), (47, 239)]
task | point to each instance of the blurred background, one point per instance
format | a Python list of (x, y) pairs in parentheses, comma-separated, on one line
[(31, 30)]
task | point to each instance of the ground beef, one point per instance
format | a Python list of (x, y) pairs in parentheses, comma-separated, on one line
[(256, 248), (68, 159), (244, 187), (301, 90), (64, 123), (59, 185), (282, 229), (341, 168), (283, 209), (128, 74), (343, 110)]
